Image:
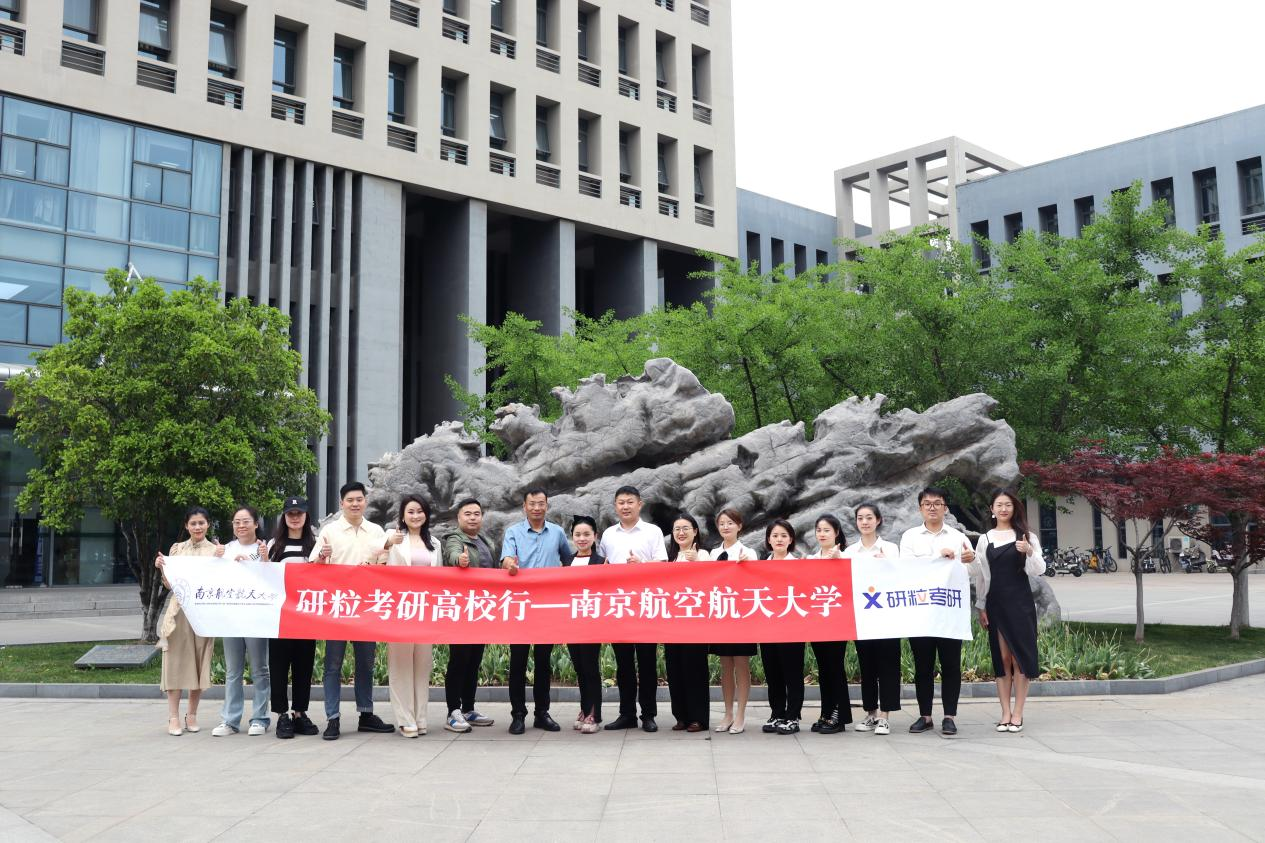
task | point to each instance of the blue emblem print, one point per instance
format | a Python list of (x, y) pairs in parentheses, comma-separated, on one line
[(871, 598)]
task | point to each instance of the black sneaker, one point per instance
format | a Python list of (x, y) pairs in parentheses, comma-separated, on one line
[(816, 727), (788, 727), (623, 721), (518, 724), (648, 724), (920, 725), (948, 727), (544, 721), (370, 722), (285, 727), (331, 730), (770, 725), (303, 725)]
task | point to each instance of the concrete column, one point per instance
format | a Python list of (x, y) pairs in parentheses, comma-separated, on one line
[(255, 28), (918, 214), (880, 210), (845, 215), (320, 348), (241, 272), (189, 45), (226, 186), (631, 277), (303, 271), (542, 281), (342, 335), (285, 219), (261, 272)]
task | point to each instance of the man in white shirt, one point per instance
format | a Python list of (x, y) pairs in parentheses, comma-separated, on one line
[(630, 542), (934, 539)]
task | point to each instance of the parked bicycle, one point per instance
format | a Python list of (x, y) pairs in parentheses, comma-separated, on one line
[(1101, 560)]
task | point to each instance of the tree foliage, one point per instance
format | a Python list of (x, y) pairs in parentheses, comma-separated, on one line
[(157, 401)]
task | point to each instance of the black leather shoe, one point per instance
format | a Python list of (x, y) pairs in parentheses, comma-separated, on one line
[(331, 730), (920, 725), (544, 721), (303, 725), (285, 727), (370, 722), (518, 724), (948, 727), (648, 725), (623, 721)]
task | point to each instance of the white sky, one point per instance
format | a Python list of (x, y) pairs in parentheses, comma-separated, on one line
[(820, 84)]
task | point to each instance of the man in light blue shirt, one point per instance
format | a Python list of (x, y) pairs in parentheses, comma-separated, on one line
[(533, 543)]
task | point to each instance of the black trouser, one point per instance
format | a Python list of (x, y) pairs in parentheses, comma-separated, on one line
[(784, 675), (832, 679), (688, 682), (540, 678), (880, 674), (461, 680), (637, 675), (949, 651), (586, 658), (286, 655)]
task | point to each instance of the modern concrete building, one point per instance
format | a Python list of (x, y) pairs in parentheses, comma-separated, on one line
[(375, 168), (772, 232)]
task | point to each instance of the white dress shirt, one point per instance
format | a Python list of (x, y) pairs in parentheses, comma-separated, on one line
[(920, 543), (644, 540), (856, 550)]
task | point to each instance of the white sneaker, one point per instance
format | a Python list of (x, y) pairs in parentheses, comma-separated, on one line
[(256, 729), (881, 727), (456, 722), (868, 724), (223, 730)]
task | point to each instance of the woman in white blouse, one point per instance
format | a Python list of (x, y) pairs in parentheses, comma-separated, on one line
[(689, 681), (1005, 558), (409, 665), (879, 657), (832, 675), (735, 659), (783, 660)]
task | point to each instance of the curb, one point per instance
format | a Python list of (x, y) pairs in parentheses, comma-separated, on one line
[(569, 694)]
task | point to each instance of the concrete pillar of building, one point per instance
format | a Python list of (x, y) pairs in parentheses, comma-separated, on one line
[(285, 219), (918, 213), (320, 349), (880, 209), (242, 187), (226, 187), (628, 277), (542, 280), (845, 215), (342, 465), (261, 271)]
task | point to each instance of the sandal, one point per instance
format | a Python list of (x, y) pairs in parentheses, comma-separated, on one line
[(191, 727), (1015, 727), (173, 727)]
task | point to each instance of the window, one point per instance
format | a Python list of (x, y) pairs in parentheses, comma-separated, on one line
[(79, 19), (1250, 188), (101, 158), (285, 49), (695, 87), (498, 15), (155, 29), (979, 243), (1084, 213), (542, 22), (822, 257), (1097, 527), (1162, 190), (1048, 219), (664, 183), (1206, 196), (397, 92), (582, 154), (98, 216), (700, 195), (450, 7), (623, 50), (1014, 226), (222, 55), (10, 9), (582, 35), (496, 115), (542, 133), (448, 107), (625, 165), (777, 251), (660, 66), (344, 77), (32, 204), (1048, 524)]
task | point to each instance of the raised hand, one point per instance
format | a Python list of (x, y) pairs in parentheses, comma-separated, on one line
[(219, 548), (464, 559)]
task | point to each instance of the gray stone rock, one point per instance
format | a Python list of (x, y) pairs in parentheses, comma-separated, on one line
[(667, 435), (1049, 612)]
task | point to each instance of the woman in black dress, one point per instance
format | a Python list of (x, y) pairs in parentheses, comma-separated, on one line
[(689, 681), (1004, 559)]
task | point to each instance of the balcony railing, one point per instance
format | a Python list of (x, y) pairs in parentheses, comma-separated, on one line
[(457, 30), (669, 207), (629, 88), (400, 137), (703, 113), (589, 74), (351, 125), (503, 45), (156, 76), (548, 175), (1253, 224), (704, 216), (666, 101), (221, 92), (291, 111), (590, 186), (670, 5), (359, 4), (502, 164), (700, 14), (405, 13), (548, 60), (629, 196), (453, 151), (12, 40), (82, 57)]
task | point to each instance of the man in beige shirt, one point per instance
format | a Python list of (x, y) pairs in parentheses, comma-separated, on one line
[(351, 540)]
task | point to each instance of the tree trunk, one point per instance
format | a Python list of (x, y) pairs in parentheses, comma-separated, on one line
[(142, 546), (1139, 632), (1239, 566)]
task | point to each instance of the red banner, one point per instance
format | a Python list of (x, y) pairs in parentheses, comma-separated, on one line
[(687, 602)]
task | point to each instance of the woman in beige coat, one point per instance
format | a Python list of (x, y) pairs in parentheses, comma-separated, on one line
[(409, 665), (186, 655)]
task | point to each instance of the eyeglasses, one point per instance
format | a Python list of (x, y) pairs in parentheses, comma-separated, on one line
[(237, 522), (932, 504)]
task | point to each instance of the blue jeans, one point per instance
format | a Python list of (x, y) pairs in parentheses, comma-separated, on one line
[(363, 652), (235, 650)]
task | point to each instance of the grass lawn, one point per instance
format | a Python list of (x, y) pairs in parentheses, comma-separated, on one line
[(56, 663)]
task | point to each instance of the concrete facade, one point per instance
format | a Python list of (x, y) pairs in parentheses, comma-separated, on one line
[(773, 232)]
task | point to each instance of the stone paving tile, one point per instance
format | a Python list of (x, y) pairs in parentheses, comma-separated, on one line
[(564, 830)]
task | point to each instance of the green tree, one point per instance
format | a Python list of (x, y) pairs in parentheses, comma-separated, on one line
[(157, 401)]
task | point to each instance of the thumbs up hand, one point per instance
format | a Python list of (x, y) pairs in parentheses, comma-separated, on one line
[(219, 548)]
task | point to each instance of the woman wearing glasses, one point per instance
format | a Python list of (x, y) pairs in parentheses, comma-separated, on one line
[(735, 659), (246, 546), (688, 674)]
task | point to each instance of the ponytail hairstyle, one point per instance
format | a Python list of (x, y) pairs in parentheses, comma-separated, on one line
[(841, 540)]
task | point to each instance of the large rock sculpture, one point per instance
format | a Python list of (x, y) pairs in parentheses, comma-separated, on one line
[(667, 435)]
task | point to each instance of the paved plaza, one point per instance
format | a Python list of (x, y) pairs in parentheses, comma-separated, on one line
[(1188, 765), (1177, 598)]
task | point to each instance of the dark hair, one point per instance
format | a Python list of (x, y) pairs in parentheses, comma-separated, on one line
[(281, 536), (189, 513), (628, 490), (254, 515), (583, 519), (933, 491), (535, 490), (420, 501), (351, 486), (785, 525), (464, 502), (674, 550), (841, 540), (1019, 521), (732, 514), (872, 507)]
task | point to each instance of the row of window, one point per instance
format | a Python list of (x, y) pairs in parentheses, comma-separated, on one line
[(777, 253)]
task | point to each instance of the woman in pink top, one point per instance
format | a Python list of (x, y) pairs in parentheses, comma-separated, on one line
[(409, 665)]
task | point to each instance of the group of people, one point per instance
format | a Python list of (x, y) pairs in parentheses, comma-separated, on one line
[(1000, 564)]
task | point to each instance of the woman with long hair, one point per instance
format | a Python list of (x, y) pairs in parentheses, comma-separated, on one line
[(686, 664), (1005, 557), (879, 658), (586, 658), (735, 659), (408, 665), (292, 541), (784, 660), (246, 546), (186, 656), (832, 677)]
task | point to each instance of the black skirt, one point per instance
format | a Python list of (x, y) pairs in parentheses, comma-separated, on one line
[(731, 649)]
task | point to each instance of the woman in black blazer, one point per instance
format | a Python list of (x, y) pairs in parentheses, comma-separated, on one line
[(586, 657)]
